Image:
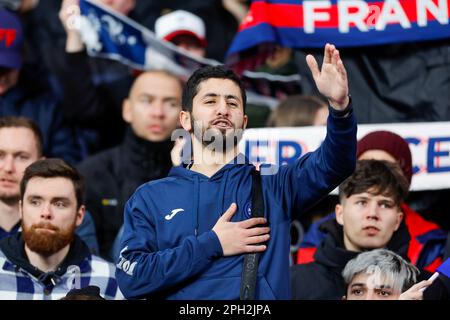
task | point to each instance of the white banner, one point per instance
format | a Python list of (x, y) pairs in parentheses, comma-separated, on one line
[(429, 143)]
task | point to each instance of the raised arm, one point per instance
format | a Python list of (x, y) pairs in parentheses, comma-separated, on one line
[(331, 79), (70, 9), (317, 173)]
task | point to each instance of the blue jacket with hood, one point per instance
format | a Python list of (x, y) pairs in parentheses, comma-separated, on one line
[(169, 249)]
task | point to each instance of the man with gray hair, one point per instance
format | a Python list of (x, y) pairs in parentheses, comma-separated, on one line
[(382, 275)]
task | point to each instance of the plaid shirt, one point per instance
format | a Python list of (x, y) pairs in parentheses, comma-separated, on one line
[(18, 284)]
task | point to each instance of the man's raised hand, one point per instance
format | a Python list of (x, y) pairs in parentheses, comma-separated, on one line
[(331, 79)]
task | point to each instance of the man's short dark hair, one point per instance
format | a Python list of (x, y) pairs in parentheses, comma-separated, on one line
[(296, 111), (22, 122), (377, 178), (203, 74), (54, 168)]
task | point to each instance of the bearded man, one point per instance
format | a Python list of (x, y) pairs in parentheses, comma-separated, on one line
[(47, 259), (185, 236), (21, 145)]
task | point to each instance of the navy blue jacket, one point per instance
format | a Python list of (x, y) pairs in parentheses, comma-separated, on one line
[(42, 108), (174, 254)]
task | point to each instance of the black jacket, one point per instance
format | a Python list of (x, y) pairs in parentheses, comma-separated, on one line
[(113, 175), (389, 84), (439, 289), (322, 278), (94, 106)]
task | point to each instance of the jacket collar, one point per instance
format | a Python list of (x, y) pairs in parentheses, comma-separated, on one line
[(141, 148), (14, 249), (332, 252), (16, 228), (236, 163), (149, 158)]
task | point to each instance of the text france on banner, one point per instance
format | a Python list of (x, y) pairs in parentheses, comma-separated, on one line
[(345, 23), (429, 144)]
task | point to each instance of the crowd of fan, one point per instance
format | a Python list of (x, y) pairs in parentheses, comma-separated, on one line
[(112, 125)]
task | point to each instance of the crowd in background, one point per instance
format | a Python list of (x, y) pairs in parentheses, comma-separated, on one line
[(112, 125)]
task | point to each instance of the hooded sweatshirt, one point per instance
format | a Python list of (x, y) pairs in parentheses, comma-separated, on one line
[(114, 174), (322, 279), (426, 246), (169, 249)]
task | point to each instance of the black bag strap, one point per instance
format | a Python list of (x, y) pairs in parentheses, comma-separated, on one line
[(251, 260)]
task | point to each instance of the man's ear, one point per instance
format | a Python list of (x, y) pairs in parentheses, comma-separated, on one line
[(339, 209), (399, 218), (185, 121), (244, 125), (126, 111), (20, 209), (80, 215)]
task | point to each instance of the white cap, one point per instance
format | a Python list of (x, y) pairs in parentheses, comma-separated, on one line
[(180, 22)]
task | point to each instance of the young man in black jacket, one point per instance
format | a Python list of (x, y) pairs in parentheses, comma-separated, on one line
[(368, 217)]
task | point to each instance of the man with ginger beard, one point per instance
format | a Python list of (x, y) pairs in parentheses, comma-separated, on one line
[(21, 145), (47, 259)]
